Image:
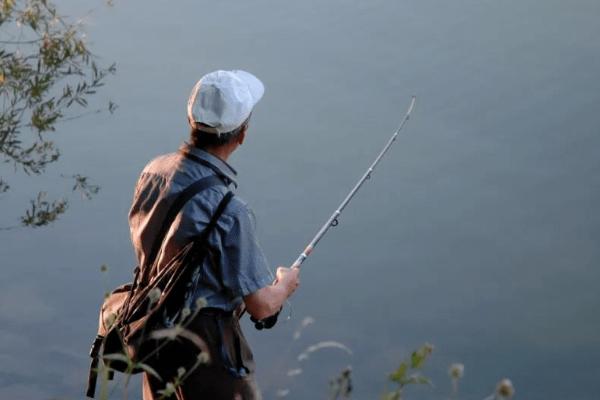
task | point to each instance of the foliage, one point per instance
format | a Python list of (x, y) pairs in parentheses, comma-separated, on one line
[(46, 72), (341, 386), (456, 372), (408, 373), (42, 212)]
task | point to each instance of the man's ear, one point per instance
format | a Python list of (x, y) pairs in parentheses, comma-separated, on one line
[(242, 135)]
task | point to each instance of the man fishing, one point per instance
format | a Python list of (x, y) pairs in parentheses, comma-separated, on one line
[(235, 274)]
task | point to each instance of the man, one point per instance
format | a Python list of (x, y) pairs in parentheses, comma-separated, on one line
[(236, 273)]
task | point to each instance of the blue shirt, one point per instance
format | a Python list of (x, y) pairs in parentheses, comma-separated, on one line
[(241, 264)]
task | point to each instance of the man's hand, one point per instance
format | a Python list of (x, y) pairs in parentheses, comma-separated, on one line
[(289, 278), (268, 301)]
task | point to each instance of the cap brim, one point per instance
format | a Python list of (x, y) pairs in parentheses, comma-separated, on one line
[(256, 87)]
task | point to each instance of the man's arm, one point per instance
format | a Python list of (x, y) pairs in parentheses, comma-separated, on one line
[(267, 301)]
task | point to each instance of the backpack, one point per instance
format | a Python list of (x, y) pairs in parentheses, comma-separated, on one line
[(133, 313)]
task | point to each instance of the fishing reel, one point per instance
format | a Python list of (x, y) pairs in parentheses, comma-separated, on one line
[(266, 323)]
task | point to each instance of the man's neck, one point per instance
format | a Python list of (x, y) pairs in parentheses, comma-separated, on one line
[(222, 152)]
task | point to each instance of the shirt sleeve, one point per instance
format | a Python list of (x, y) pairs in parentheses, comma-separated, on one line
[(245, 267)]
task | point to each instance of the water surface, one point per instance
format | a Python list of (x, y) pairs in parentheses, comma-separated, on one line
[(478, 233)]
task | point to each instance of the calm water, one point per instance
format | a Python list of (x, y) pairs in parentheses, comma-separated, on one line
[(479, 233)]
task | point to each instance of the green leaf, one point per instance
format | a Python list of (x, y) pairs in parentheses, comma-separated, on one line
[(422, 380), (417, 379), (399, 374), (416, 360), (418, 357), (395, 395)]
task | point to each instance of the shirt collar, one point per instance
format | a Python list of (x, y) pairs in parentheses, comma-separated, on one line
[(227, 170)]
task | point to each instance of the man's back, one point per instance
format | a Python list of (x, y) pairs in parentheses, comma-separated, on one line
[(241, 266)]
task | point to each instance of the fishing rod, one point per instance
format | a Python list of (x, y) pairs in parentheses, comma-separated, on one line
[(269, 322), (333, 219)]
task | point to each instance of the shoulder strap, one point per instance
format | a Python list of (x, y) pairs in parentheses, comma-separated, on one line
[(175, 208), (218, 212)]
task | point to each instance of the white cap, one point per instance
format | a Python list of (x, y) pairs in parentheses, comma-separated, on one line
[(223, 100)]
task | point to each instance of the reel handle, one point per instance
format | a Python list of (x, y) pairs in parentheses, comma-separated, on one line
[(266, 323)]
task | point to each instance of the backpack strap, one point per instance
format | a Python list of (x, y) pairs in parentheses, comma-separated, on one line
[(217, 214), (93, 374), (180, 201), (200, 247)]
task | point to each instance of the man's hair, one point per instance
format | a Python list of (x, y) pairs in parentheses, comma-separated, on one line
[(203, 139)]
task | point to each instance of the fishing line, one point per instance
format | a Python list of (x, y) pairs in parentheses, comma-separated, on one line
[(333, 220)]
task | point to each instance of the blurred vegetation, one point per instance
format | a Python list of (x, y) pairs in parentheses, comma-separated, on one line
[(47, 76), (340, 387), (409, 373)]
